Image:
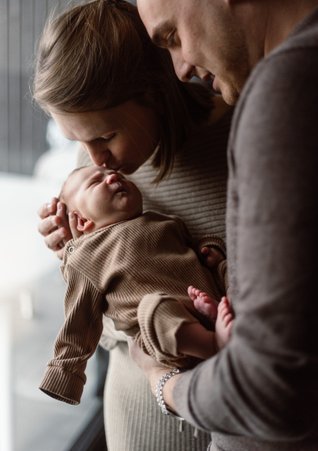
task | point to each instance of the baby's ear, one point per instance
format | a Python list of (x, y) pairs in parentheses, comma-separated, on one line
[(82, 224)]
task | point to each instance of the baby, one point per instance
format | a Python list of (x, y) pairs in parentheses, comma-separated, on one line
[(135, 268)]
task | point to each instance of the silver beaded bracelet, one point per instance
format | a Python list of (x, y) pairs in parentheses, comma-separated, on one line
[(161, 402), (159, 390)]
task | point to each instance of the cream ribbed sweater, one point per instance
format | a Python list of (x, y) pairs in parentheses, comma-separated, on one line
[(137, 272), (196, 192)]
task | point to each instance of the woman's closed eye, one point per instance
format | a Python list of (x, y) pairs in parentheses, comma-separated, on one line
[(103, 139), (108, 138)]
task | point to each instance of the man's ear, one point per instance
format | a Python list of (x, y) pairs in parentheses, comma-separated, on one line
[(83, 225)]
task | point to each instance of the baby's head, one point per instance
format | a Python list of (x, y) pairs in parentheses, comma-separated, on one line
[(99, 197)]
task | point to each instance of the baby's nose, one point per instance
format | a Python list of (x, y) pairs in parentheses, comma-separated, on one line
[(112, 178)]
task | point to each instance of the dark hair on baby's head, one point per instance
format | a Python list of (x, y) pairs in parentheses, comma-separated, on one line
[(98, 55)]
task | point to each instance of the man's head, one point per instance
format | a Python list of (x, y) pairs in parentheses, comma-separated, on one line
[(220, 40), (99, 197)]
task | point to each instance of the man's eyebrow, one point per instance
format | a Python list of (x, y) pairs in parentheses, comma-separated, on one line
[(158, 33)]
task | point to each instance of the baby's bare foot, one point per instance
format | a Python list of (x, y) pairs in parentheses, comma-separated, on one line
[(203, 302), (224, 322)]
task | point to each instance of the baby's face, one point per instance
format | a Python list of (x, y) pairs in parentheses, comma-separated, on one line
[(102, 196)]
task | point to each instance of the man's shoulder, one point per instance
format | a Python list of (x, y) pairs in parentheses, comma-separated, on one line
[(287, 76), (305, 34), (279, 102)]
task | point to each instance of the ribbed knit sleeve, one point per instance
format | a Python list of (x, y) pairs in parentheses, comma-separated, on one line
[(160, 317), (77, 340), (212, 241)]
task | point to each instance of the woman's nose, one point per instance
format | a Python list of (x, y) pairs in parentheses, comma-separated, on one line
[(98, 156)]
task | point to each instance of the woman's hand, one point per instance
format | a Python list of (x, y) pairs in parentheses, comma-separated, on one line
[(153, 372), (55, 226)]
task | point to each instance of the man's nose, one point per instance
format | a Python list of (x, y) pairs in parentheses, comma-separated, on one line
[(184, 70)]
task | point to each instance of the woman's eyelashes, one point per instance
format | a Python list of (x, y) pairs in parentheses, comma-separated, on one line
[(108, 137), (103, 139)]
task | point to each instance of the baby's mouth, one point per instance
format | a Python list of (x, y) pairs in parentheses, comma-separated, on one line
[(118, 187)]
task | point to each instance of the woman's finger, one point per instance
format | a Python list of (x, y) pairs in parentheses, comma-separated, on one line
[(48, 209), (73, 225), (57, 239), (48, 225)]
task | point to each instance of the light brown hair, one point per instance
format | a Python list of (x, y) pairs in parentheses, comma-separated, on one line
[(97, 55)]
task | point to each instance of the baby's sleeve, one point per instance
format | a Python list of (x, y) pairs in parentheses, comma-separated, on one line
[(77, 340), (160, 316), (212, 241)]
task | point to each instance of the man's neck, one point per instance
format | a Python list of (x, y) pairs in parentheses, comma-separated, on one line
[(283, 17)]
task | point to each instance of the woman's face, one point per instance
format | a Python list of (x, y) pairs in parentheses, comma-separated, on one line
[(121, 138)]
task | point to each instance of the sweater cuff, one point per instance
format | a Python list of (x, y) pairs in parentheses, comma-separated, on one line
[(62, 385)]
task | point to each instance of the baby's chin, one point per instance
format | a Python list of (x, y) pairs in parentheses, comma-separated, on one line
[(123, 216)]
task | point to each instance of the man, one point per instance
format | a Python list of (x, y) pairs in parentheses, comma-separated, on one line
[(261, 391)]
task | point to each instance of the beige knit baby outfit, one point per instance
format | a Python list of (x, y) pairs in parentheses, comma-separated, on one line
[(136, 272)]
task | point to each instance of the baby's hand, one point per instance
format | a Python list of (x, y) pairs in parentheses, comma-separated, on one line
[(203, 303), (212, 256)]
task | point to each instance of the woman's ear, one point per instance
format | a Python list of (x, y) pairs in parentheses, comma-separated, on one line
[(83, 225)]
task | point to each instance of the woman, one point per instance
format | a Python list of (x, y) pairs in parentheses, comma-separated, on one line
[(106, 85)]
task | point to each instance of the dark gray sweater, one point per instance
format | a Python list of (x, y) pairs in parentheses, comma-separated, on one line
[(264, 385)]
